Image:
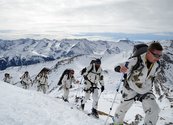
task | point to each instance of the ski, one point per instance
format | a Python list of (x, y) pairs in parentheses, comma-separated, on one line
[(91, 115), (124, 123), (59, 97), (85, 112), (54, 88), (106, 114)]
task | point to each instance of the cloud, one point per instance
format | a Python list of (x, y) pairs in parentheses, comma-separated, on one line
[(131, 36), (76, 16)]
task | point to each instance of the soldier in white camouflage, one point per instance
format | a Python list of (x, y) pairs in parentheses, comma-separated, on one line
[(7, 78), (25, 80), (92, 76), (138, 85), (42, 80), (67, 81)]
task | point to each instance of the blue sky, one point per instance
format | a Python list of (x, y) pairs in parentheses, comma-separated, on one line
[(92, 19)]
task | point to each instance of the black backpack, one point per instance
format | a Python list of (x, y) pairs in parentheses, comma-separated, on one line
[(84, 69), (138, 50), (67, 71)]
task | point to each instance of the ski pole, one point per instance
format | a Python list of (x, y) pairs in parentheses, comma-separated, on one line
[(78, 93), (99, 95), (78, 88), (118, 87)]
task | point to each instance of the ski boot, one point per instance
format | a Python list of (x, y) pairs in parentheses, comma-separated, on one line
[(115, 124), (95, 113), (65, 100), (82, 106)]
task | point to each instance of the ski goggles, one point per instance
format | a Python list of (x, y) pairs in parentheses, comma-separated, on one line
[(156, 55)]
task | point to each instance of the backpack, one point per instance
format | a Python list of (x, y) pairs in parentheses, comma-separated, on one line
[(138, 50), (67, 71), (84, 69)]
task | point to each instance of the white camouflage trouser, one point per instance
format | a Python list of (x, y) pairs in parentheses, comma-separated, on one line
[(24, 85), (66, 93), (149, 104), (94, 96), (42, 87)]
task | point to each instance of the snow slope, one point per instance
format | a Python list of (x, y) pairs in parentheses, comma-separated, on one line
[(22, 107)]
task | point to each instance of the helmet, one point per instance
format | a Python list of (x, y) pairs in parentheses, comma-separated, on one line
[(7, 75), (71, 71), (98, 61)]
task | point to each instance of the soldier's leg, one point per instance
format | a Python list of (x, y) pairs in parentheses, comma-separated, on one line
[(66, 93), (95, 99), (87, 96), (124, 105), (26, 86), (87, 92), (122, 110), (44, 89), (41, 87), (23, 84), (151, 110), (38, 87)]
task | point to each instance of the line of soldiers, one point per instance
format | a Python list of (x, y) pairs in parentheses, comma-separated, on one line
[(41, 80), (92, 76)]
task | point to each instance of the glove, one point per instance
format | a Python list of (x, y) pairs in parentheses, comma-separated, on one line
[(102, 88), (71, 86), (85, 77)]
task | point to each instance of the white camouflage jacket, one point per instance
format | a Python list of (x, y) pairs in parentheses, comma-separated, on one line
[(26, 79), (67, 82), (139, 81), (94, 76)]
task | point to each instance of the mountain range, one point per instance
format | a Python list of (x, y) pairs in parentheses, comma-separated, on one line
[(30, 51)]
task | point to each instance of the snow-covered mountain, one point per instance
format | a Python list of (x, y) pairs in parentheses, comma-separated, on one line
[(112, 79), (31, 51)]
